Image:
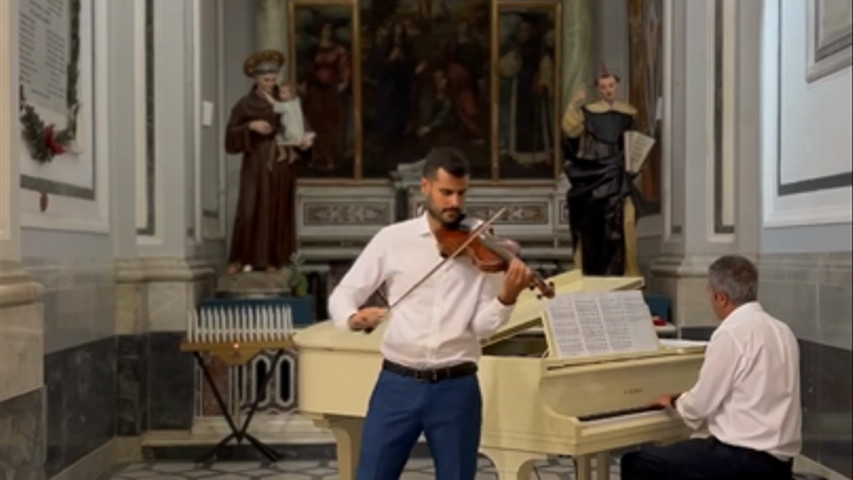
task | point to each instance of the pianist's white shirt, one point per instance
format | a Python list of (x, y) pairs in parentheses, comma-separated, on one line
[(441, 322), (748, 389)]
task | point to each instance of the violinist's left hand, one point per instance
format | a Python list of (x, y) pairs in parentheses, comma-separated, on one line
[(518, 277)]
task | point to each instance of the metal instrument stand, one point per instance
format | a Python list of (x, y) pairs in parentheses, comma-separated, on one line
[(238, 353)]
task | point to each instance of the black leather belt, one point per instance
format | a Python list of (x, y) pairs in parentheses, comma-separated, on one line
[(432, 375)]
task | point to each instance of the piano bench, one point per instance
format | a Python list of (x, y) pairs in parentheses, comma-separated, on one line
[(807, 476)]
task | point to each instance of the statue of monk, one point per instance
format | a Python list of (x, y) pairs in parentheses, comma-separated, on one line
[(264, 234), (602, 198)]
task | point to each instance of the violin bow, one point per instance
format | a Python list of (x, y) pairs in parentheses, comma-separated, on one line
[(474, 234)]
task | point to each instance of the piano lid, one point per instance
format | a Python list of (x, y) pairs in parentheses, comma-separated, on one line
[(528, 312)]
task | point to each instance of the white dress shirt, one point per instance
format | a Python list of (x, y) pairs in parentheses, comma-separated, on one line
[(441, 322), (748, 389)]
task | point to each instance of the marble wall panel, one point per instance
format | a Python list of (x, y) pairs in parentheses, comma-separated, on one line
[(22, 436), (79, 302), (827, 405), (131, 308), (21, 350), (131, 384), (812, 293), (169, 373), (80, 386)]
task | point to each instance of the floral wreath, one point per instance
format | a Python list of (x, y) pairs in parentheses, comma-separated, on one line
[(42, 140)]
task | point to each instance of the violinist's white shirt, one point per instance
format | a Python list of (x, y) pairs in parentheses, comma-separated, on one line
[(442, 321)]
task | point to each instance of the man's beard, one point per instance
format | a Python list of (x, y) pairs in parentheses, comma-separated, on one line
[(439, 215)]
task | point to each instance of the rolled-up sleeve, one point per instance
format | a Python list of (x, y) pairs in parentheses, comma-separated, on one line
[(491, 313), (716, 378), (360, 281)]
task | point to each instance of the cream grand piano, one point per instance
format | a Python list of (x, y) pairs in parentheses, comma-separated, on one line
[(535, 406)]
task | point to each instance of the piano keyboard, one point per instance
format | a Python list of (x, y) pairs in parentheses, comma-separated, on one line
[(620, 414)]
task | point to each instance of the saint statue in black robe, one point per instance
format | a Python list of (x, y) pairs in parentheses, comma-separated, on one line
[(602, 198)]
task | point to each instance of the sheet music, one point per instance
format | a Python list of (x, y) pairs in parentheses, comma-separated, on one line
[(637, 148), (600, 323)]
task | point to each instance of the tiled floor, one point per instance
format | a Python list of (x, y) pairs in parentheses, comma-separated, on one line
[(416, 469)]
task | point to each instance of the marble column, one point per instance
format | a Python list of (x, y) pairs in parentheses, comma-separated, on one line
[(22, 425), (271, 26), (22, 406), (577, 47), (702, 179)]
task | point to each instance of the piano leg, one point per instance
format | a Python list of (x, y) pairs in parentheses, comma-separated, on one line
[(602, 466), (347, 432), (583, 470), (512, 465)]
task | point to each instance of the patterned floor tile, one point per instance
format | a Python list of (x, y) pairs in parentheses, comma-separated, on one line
[(416, 469), (173, 467)]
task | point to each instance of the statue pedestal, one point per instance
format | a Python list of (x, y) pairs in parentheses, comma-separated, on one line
[(254, 284)]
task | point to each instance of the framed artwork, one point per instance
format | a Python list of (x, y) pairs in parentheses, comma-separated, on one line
[(324, 67), (829, 32), (425, 81), (526, 90)]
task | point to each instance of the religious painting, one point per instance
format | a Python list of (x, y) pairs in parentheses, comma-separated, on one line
[(526, 88), (322, 46), (646, 90), (829, 37), (425, 83)]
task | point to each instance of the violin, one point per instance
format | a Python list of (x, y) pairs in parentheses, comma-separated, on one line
[(466, 237)]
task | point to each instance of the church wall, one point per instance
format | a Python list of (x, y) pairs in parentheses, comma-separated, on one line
[(805, 261), (66, 246), (107, 328)]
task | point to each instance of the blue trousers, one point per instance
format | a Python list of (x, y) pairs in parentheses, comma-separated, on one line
[(702, 459), (449, 413)]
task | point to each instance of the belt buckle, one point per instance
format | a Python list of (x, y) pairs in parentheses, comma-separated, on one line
[(427, 375)]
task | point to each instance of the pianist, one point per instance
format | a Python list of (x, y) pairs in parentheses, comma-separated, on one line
[(428, 382), (747, 393)]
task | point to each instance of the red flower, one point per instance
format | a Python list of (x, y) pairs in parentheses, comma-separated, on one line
[(50, 140)]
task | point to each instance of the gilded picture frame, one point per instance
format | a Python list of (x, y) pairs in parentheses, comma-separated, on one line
[(526, 89), (324, 64)]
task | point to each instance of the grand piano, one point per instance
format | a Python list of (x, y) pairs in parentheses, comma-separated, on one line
[(535, 406)]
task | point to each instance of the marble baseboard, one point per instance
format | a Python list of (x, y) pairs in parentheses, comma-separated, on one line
[(22, 437), (21, 349), (170, 382), (827, 405), (119, 450), (131, 384), (697, 333), (80, 386)]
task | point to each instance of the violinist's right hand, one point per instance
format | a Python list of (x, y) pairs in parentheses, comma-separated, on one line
[(366, 318)]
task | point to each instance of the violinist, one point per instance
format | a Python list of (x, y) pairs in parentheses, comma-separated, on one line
[(428, 382)]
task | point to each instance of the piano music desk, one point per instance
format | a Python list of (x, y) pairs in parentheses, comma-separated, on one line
[(236, 353)]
